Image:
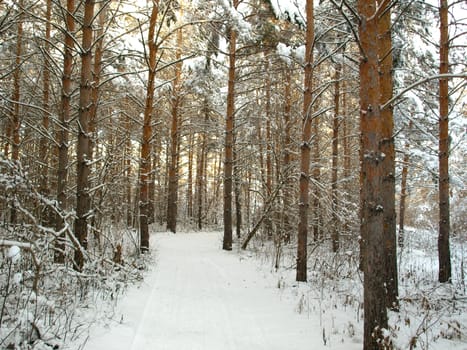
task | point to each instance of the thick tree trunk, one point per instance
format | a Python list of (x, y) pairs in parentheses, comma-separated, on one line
[(444, 253), (305, 151), (229, 139), (389, 164), (145, 165), (64, 118), (83, 146), (372, 204)]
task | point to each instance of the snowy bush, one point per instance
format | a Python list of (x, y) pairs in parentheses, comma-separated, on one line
[(44, 303)]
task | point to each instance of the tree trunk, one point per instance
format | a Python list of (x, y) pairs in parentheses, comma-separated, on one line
[(389, 164), (444, 253), (15, 119), (200, 181), (305, 148), (44, 142), (346, 142), (229, 139), (189, 191), (172, 199), (335, 154), (316, 174), (145, 162), (152, 180), (128, 174), (237, 192), (269, 175), (64, 118), (13, 130), (83, 146), (96, 75), (287, 161), (403, 196), (372, 209)]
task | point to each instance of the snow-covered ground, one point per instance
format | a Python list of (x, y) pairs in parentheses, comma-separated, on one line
[(200, 297), (197, 296)]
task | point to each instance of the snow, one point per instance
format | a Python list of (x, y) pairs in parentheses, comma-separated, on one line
[(290, 9), (14, 253), (17, 278), (243, 27), (201, 297), (284, 51)]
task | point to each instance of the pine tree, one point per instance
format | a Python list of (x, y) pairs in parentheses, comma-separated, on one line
[(305, 151), (443, 178), (83, 201)]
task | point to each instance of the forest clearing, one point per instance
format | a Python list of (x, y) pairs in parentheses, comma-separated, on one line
[(283, 174)]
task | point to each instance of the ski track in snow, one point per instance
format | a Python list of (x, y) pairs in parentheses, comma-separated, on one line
[(199, 297)]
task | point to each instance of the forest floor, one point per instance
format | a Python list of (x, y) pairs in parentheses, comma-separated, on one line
[(197, 296), (200, 297)]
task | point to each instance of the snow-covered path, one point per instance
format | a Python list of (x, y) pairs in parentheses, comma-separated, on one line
[(200, 297)]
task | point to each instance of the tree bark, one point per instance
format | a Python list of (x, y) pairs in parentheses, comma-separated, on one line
[(64, 117), (83, 146), (372, 209), (189, 191), (145, 162), (305, 151), (93, 108), (237, 192), (403, 196), (444, 254), (335, 154), (316, 174), (269, 175), (389, 164), (15, 118), (44, 142), (200, 181), (128, 173), (287, 158), (172, 198), (229, 139), (14, 123)]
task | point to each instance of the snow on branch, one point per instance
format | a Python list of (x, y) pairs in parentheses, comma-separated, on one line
[(290, 10), (10, 243)]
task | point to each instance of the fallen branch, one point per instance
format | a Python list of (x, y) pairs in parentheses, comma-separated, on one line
[(265, 213)]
